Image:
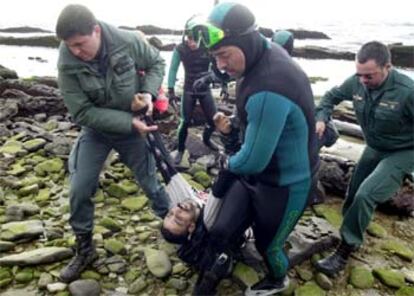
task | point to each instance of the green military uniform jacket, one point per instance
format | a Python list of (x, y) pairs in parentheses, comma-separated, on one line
[(102, 102), (386, 114)]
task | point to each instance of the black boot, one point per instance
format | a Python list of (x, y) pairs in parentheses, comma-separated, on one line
[(336, 262), (85, 255), (208, 131), (268, 286), (209, 279)]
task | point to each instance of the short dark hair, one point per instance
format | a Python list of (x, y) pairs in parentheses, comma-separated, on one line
[(75, 19), (376, 51), (174, 238)]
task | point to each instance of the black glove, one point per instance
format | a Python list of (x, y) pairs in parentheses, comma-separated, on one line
[(172, 98), (201, 84), (224, 179), (171, 94)]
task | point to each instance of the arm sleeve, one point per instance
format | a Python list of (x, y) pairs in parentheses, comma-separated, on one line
[(332, 98), (172, 73), (85, 113), (149, 59), (266, 119)]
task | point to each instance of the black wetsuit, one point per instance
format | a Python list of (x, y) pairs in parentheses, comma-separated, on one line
[(277, 158), (196, 65)]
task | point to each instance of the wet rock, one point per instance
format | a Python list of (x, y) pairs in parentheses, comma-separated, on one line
[(245, 274), (21, 230), (43, 195), (389, 278), (331, 215), (401, 55), (90, 275), (116, 264), (138, 286), (323, 281), (44, 280), (398, 249), (317, 52), (34, 145), (311, 235), (405, 291), (158, 262), (304, 274), (37, 256), (409, 275), (361, 278), (309, 288), (6, 246), (203, 178), (8, 109), (376, 230), (115, 246), (6, 73), (134, 204), (177, 284), (20, 211), (24, 276), (85, 287), (6, 277), (116, 190), (49, 166), (59, 146), (13, 147), (111, 224), (56, 287)]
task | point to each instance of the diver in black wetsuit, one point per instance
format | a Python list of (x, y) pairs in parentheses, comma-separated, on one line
[(196, 65)]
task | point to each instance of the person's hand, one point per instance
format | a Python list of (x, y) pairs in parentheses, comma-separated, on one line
[(171, 94), (172, 98), (201, 84), (142, 127), (222, 122), (320, 128), (141, 101), (224, 179)]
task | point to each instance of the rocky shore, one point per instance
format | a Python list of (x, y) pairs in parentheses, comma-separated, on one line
[(36, 135), (402, 56)]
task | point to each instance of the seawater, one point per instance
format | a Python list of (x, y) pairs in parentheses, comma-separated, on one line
[(343, 36)]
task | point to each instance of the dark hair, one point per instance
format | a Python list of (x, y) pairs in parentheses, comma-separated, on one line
[(74, 20), (376, 51), (174, 238)]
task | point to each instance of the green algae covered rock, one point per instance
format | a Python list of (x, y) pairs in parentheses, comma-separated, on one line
[(361, 278), (390, 278)]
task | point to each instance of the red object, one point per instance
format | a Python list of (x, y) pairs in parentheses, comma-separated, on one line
[(161, 103)]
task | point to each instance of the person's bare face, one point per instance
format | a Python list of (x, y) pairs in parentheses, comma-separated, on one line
[(231, 60), (371, 74), (191, 43), (85, 47), (181, 219)]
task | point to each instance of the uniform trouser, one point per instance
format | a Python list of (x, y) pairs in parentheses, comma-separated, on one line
[(86, 161), (377, 176), (272, 211), (187, 106)]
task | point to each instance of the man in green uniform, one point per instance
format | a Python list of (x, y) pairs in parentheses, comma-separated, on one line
[(98, 76), (383, 100)]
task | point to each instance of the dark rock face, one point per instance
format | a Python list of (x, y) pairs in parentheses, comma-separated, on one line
[(316, 52), (153, 30), (45, 41), (24, 29), (402, 56), (7, 73), (298, 34)]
